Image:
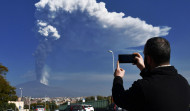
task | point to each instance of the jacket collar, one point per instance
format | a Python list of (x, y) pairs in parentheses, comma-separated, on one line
[(168, 70)]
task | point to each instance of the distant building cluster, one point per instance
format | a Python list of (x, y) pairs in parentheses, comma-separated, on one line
[(61, 103), (58, 100)]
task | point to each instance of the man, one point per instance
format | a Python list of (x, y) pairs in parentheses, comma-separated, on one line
[(161, 87)]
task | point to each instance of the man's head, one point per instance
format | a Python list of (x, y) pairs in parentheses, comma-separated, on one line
[(156, 52)]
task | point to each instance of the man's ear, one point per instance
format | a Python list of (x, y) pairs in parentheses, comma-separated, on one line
[(149, 60)]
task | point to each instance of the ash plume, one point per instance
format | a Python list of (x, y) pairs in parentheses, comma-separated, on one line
[(87, 25), (44, 48)]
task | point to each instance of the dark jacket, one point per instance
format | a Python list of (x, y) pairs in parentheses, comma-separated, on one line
[(161, 89)]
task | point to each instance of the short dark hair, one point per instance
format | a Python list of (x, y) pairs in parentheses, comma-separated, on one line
[(159, 49)]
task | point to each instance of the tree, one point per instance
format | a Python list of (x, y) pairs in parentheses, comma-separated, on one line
[(91, 98), (7, 92), (3, 70), (11, 106), (101, 98), (26, 106), (52, 105)]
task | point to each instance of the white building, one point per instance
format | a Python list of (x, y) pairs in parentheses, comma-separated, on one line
[(19, 104)]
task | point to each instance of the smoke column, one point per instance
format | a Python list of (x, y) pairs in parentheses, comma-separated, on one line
[(50, 35), (87, 25)]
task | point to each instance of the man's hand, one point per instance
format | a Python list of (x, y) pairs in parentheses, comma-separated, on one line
[(119, 71), (140, 61)]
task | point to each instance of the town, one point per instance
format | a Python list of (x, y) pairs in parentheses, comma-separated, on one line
[(62, 103)]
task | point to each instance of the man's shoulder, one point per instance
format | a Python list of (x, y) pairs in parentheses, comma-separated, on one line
[(141, 82)]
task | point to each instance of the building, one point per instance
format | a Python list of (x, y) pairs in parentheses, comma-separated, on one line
[(19, 104)]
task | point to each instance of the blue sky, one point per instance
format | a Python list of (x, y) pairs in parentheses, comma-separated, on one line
[(79, 58)]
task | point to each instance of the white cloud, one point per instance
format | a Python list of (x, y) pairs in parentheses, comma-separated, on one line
[(47, 30), (45, 75), (81, 20), (44, 79)]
